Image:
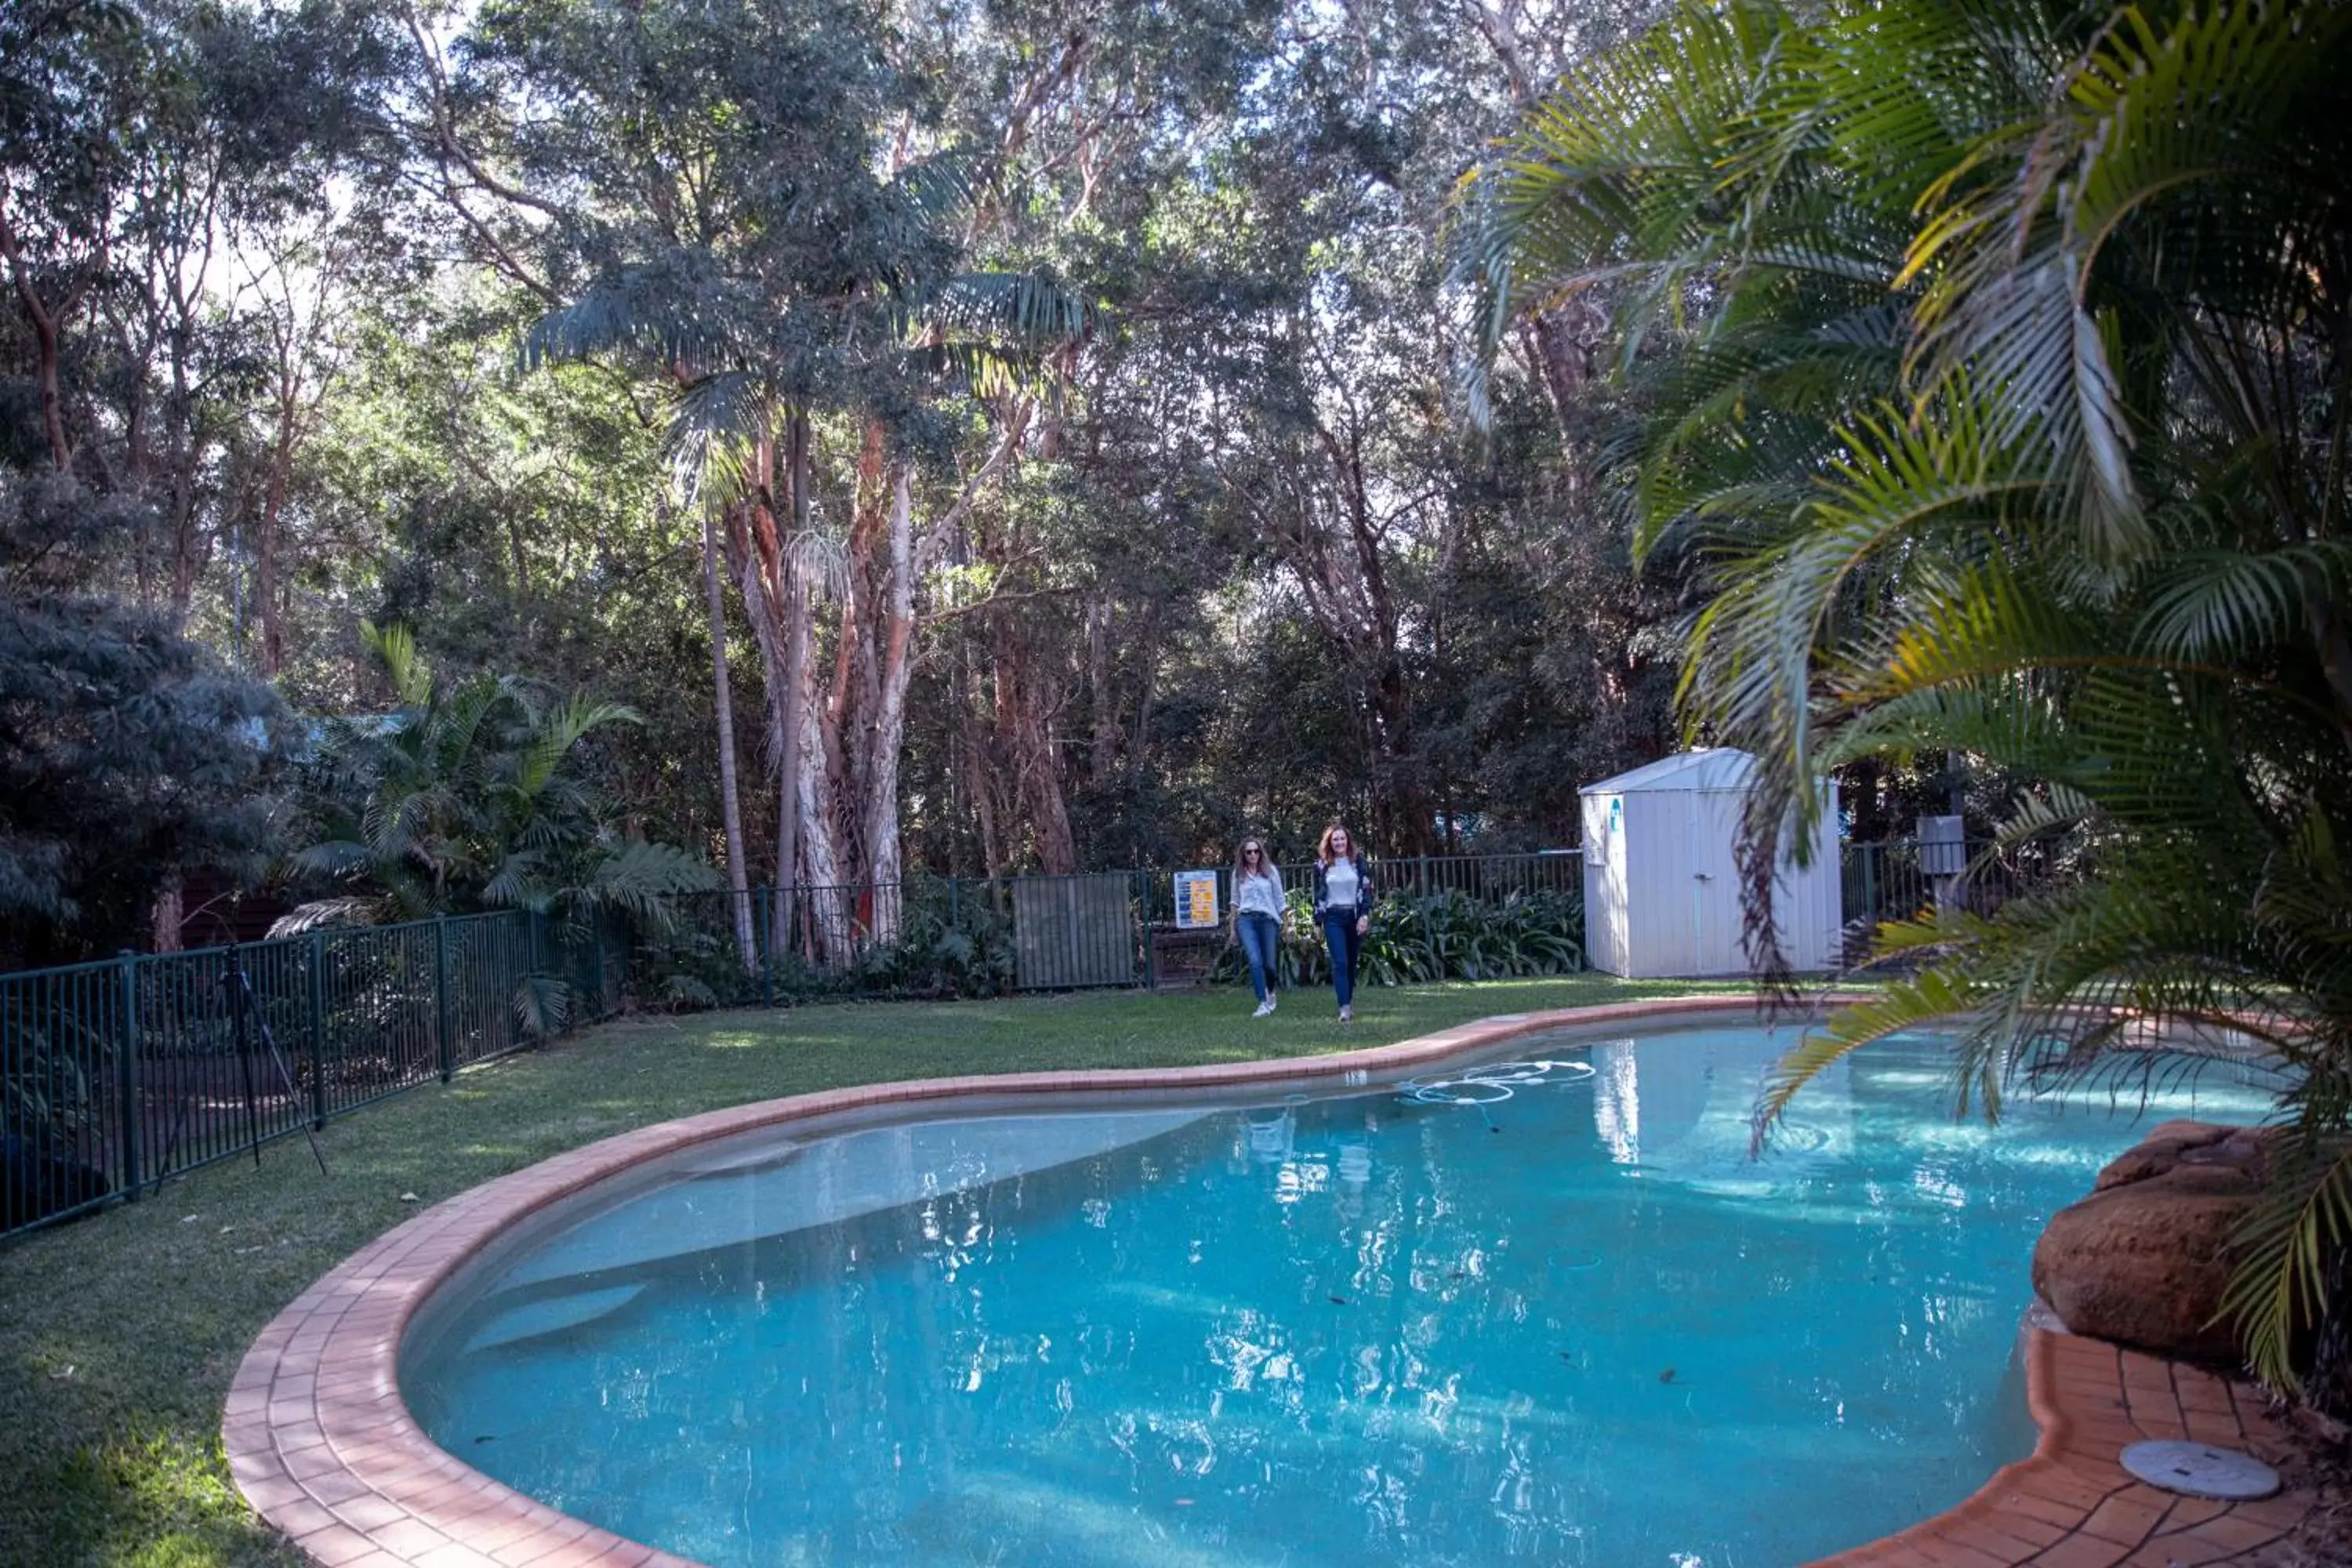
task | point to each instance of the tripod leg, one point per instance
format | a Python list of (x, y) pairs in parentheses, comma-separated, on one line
[(294, 1092), (172, 1142), (286, 1077)]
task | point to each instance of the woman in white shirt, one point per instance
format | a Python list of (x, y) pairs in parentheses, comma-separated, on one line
[(1257, 917), (1343, 906)]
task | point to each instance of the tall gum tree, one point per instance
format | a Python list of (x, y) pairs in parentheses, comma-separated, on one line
[(783, 264)]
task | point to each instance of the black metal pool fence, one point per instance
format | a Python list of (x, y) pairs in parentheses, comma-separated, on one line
[(117, 1074)]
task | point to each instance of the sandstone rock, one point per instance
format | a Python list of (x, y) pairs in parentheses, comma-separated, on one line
[(2144, 1260)]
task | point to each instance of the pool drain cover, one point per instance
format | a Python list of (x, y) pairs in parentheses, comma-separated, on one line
[(2200, 1469)]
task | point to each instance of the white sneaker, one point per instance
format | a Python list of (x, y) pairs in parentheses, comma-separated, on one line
[(1270, 1000), (1263, 1009), (1347, 1015)]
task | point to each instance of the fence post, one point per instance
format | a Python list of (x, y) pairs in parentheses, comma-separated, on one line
[(317, 1031), (127, 1066), (442, 998)]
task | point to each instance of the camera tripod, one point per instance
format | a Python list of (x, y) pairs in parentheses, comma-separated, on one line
[(236, 988)]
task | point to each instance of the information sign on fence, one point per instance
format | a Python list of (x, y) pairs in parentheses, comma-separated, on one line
[(1196, 900)]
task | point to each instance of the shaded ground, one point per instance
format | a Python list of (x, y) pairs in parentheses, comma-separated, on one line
[(119, 1333)]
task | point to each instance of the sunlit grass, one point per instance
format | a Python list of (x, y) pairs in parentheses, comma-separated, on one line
[(118, 1334)]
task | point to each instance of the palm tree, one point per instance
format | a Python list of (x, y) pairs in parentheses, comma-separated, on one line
[(471, 797), (1997, 366)]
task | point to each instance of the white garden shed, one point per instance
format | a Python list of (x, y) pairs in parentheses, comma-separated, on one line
[(1662, 889)]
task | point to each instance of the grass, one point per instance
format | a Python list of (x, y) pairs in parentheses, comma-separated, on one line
[(119, 1333)]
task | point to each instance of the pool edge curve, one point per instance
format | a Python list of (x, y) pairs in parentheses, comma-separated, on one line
[(324, 1447)]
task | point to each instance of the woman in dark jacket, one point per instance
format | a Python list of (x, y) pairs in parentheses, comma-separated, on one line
[(1343, 906)]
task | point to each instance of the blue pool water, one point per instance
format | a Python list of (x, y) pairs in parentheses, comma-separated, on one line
[(1577, 1325)]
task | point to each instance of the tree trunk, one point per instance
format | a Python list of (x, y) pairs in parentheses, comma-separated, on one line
[(820, 848), (771, 595), (1560, 365), (789, 755), (1103, 753), (169, 914), (265, 544), (972, 756), (888, 734), (180, 486), (44, 322), (1021, 704), (730, 803)]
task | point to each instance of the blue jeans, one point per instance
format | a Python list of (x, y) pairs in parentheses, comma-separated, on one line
[(1339, 935), (1259, 935)]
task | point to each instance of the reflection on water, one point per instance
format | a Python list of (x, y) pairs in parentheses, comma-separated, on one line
[(1577, 1326)]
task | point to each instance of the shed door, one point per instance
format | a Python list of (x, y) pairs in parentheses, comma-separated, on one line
[(1605, 904), (1710, 891)]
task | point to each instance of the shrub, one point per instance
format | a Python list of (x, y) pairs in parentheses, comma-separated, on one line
[(1442, 936)]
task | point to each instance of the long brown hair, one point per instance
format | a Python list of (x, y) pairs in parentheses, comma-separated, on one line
[(1241, 865), (1323, 846)]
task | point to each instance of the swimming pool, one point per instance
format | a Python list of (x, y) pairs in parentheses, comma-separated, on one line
[(1559, 1320)]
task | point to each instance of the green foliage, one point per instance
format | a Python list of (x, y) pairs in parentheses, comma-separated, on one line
[(127, 754), (47, 1095), (955, 944), (1440, 936), (471, 797), (1994, 374)]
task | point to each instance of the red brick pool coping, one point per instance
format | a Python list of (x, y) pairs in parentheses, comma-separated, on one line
[(324, 1450)]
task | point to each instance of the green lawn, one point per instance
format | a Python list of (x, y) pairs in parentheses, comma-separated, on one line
[(119, 1333)]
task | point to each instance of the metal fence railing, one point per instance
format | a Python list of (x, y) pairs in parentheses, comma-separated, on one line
[(117, 1074), (1887, 881), (985, 935)]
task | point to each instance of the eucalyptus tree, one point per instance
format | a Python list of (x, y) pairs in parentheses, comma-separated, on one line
[(1299, 299), (141, 145), (1995, 357), (787, 267)]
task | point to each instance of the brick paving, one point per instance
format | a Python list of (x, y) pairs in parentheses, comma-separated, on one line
[(2071, 1505), (322, 1446)]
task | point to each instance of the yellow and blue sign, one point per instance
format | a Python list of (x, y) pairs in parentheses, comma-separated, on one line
[(1196, 900)]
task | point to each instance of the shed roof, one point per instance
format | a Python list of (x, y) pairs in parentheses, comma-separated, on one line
[(1710, 768)]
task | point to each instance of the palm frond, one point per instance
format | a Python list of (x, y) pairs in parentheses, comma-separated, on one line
[(2215, 604), (2278, 1286), (639, 878), (542, 1006), (943, 184), (672, 312), (323, 912), (717, 419), (1025, 308), (561, 730), (395, 646)]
